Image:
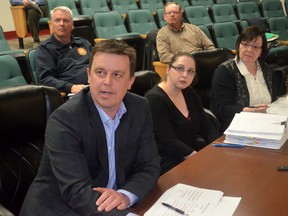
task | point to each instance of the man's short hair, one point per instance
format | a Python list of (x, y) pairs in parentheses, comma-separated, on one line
[(63, 9), (117, 47)]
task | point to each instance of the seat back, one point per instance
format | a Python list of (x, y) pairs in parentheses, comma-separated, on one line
[(197, 15), (122, 6), (223, 13), (182, 3), (68, 3), (108, 24), (141, 21), (88, 7), (279, 26), (206, 30), (225, 34), (257, 1), (243, 24), (160, 17), (144, 81), (3, 42), (232, 2), (11, 74), (32, 63), (206, 3), (24, 112), (207, 61), (272, 8), (4, 46), (151, 5), (277, 59), (248, 10)]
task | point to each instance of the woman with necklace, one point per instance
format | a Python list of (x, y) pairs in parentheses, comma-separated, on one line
[(243, 83)]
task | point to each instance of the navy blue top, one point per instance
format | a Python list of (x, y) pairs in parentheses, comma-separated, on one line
[(61, 66)]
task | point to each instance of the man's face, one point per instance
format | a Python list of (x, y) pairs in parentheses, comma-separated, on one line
[(109, 80), (62, 23), (173, 15)]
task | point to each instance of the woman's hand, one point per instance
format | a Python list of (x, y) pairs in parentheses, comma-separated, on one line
[(260, 108)]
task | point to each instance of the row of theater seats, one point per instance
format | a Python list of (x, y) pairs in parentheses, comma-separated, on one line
[(198, 13), (123, 5), (18, 69)]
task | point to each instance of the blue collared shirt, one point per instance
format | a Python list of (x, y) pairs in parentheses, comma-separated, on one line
[(110, 126)]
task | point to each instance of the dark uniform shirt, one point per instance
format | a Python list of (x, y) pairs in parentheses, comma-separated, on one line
[(61, 66)]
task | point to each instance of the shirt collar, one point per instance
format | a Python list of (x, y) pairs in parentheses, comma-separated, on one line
[(180, 30), (105, 118), (59, 45), (242, 67)]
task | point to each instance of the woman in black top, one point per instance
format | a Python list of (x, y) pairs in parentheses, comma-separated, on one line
[(178, 116)]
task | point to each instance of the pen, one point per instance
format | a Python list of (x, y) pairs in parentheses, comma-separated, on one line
[(174, 208), (256, 106), (227, 145), (282, 168)]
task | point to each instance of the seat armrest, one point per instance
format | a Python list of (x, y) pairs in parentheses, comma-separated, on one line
[(160, 68), (97, 40), (19, 19), (283, 42)]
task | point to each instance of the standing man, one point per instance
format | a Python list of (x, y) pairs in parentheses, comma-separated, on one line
[(100, 155), (62, 59), (177, 36), (33, 15)]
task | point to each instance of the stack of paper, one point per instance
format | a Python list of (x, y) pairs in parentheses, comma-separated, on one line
[(257, 129), (193, 201)]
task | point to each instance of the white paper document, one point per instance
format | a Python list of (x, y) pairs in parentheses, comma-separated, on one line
[(280, 106), (194, 202), (35, 6), (258, 130)]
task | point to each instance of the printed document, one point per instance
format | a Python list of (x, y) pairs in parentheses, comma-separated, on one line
[(35, 6), (194, 201)]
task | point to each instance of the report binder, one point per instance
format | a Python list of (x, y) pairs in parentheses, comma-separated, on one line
[(257, 130)]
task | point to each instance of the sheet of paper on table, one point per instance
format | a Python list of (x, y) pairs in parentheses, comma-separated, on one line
[(280, 106), (194, 201)]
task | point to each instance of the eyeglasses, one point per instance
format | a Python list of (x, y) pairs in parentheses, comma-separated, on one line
[(181, 69), (172, 12), (246, 45)]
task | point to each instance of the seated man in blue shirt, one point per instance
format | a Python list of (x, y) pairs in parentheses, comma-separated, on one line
[(33, 16), (62, 59), (100, 155)]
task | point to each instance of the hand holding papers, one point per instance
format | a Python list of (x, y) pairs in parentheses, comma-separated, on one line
[(193, 201), (257, 129), (35, 6)]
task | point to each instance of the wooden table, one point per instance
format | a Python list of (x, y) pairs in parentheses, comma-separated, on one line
[(247, 172)]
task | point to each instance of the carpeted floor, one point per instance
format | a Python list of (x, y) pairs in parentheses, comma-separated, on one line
[(28, 42)]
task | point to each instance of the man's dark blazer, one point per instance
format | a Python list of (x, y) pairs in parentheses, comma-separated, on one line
[(75, 158)]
